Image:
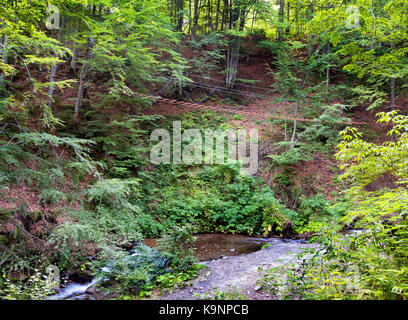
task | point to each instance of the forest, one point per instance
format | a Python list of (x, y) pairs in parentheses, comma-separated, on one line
[(203, 150)]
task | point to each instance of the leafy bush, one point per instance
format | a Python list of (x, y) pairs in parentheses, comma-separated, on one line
[(176, 246), (216, 199), (370, 264), (36, 287), (109, 221), (173, 279), (50, 196), (313, 209), (134, 273)]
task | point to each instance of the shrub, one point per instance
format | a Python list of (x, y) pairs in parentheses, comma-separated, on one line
[(36, 287), (176, 246), (133, 273), (370, 264)]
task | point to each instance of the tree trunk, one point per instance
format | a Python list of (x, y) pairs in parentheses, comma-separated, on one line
[(327, 72), (217, 15), (3, 55), (293, 140), (281, 14), (210, 16), (237, 15), (53, 72), (287, 31), (392, 87), (310, 38), (72, 65), (327, 82), (180, 15), (297, 21), (82, 81), (254, 20), (189, 19), (224, 15), (51, 88), (195, 19), (232, 61)]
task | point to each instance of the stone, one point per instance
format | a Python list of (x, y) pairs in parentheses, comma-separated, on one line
[(90, 290)]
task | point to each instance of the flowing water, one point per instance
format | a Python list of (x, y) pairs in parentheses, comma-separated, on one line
[(207, 247), (73, 289)]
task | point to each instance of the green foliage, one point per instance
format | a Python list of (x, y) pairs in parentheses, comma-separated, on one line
[(110, 221), (50, 196), (314, 209), (176, 246), (215, 199), (123, 142), (372, 95), (146, 268), (322, 135), (174, 279), (45, 149), (208, 55), (231, 293), (370, 264), (275, 218), (135, 273), (36, 287)]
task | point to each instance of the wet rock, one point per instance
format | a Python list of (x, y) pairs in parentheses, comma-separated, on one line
[(91, 290)]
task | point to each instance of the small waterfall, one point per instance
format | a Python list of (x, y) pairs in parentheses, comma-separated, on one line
[(72, 289)]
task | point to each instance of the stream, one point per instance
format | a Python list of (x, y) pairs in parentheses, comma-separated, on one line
[(227, 256)]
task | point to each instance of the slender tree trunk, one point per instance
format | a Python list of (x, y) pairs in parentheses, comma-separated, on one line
[(287, 31), (180, 15), (82, 81), (72, 65), (189, 19), (53, 72), (210, 26), (232, 61), (281, 15), (297, 21), (392, 84), (3, 55), (170, 4), (310, 38), (224, 15), (392, 88), (51, 88), (375, 24), (327, 82), (292, 140), (195, 18), (217, 15), (237, 16), (327, 72), (254, 20)]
